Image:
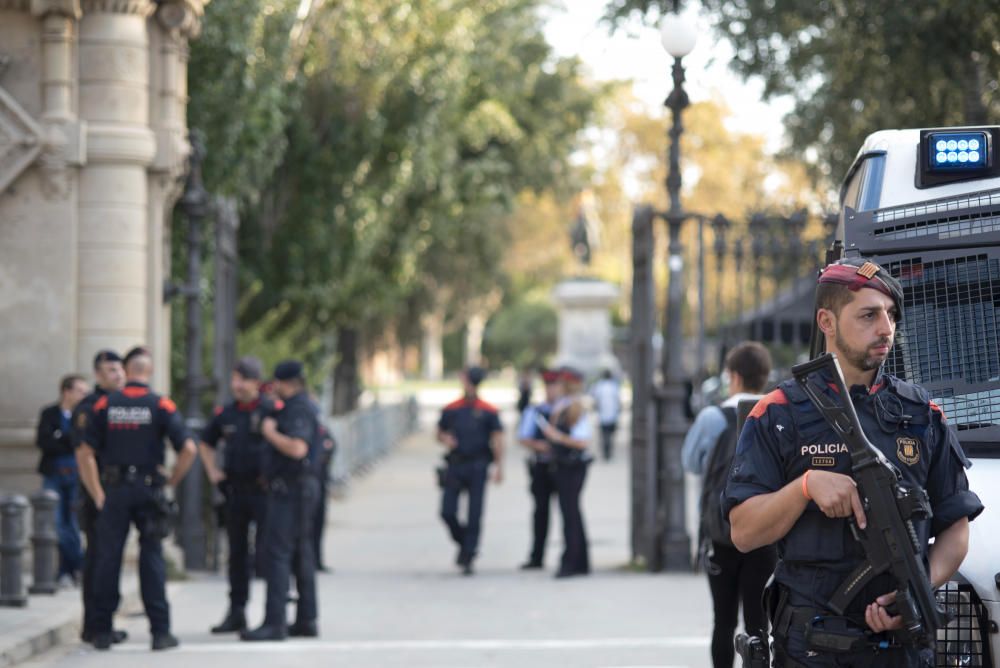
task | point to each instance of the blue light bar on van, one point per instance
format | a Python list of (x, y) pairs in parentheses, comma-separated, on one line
[(958, 151)]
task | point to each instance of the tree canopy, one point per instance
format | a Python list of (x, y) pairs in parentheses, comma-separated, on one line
[(854, 67), (380, 158)]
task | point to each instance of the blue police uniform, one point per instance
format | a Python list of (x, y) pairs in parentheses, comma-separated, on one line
[(472, 422), (541, 471), (783, 438), (126, 432), (571, 466), (238, 425), (291, 509), (82, 415)]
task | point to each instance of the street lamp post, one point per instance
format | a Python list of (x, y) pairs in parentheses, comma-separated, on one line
[(758, 227), (738, 260), (678, 40), (194, 204), (720, 224), (796, 225)]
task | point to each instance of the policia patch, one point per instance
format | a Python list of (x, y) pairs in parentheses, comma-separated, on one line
[(908, 450)]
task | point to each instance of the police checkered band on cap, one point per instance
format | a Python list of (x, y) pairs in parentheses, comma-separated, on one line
[(857, 273)]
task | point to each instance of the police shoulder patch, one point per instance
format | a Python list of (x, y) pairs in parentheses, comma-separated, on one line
[(908, 450), (81, 420)]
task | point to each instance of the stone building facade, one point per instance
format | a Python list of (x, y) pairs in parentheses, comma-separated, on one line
[(93, 147)]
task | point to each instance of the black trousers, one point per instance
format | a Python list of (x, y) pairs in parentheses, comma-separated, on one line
[(736, 578), (543, 487), (288, 547), (469, 477), (124, 505), (319, 525), (608, 438), (569, 479), (244, 505), (88, 524)]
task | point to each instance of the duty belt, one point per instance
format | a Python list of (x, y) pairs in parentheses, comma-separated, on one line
[(131, 475), (462, 458), (812, 622)]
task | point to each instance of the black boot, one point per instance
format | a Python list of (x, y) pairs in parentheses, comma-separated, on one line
[(303, 630), (165, 640), (235, 620), (264, 632)]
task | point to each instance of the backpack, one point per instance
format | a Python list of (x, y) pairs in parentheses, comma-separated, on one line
[(714, 526)]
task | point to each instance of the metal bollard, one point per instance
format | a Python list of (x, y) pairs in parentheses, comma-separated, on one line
[(12, 543), (44, 542)]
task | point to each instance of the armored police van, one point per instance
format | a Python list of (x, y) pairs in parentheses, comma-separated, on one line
[(925, 204)]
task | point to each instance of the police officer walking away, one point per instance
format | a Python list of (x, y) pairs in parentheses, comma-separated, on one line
[(541, 468), (569, 434), (290, 469), (790, 483), (471, 432), (238, 424), (110, 377), (126, 433), (59, 471), (733, 577)]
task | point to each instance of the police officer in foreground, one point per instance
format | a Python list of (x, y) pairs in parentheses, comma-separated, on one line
[(239, 424), (791, 484), (470, 430), (541, 468), (290, 469), (109, 377), (126, 433)]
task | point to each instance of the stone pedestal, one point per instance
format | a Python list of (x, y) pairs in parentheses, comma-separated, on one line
[(585, 325), (92, 152)]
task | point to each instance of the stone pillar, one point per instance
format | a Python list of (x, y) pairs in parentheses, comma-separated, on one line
[(113, 247), (585, 325), (475, 326), (432, 353), (92, 149)]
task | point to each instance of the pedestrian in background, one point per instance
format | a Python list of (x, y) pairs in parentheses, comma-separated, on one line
[(607, 401), (60, 474), (471, 432), (709, 447), (569, 434), (524, 381)]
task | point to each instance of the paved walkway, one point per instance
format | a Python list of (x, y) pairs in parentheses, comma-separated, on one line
[(396, 599)]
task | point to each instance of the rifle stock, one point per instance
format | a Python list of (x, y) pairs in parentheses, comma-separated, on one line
[(890, 542)]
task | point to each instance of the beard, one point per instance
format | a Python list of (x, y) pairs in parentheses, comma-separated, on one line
[(860, 358)]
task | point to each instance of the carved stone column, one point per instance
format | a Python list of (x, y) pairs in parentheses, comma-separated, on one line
[(173, 24), (113, 248)]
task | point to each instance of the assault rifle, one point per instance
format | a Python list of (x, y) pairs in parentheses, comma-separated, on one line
[(890, 541)]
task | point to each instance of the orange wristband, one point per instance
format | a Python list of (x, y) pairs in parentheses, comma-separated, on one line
[(805, 485)]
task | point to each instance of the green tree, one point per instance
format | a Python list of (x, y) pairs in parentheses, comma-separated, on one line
[(418, 125), (854, 67)]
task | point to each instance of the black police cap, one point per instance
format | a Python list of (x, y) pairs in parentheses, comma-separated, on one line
[(288, 370), (475, 374), (106, 356)]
